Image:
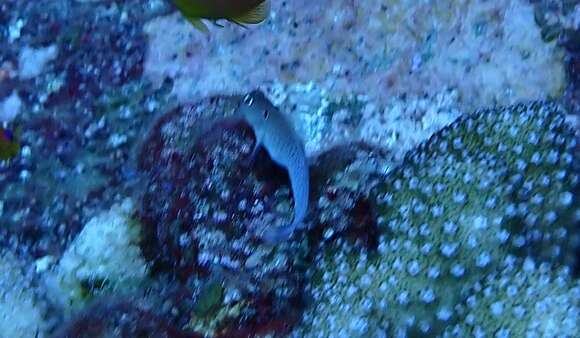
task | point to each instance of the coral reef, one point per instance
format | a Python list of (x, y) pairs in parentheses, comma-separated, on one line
[(117, 99)]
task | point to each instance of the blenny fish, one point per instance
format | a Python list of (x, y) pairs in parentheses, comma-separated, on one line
[(276, 134)]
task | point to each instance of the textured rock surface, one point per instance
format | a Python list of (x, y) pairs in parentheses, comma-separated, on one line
[(21, 315), (490, 51)]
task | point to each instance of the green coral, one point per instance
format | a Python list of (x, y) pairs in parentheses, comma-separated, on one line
[(457, 209), (521, 301), (535, 145)]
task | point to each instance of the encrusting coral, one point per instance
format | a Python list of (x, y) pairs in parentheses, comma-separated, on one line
[(493, 187)]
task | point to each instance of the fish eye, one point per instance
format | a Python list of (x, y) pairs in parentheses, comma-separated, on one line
[(266, 113), (248, 99)]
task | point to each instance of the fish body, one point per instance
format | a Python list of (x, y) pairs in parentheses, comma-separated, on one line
[(238, 11), (9, 146), (276, 134)]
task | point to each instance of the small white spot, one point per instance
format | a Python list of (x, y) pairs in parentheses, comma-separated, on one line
[(567, 158), (472, 241), (424, 230), (537, 199), (512, 291), (513, 131), (566, 198), (483, 259), (366, 280), (448, 249), (519, 241), (24, 175), (450, 227), (510, 210), (496, 308), (480, 222), (550, 217), (424, 326), (467, 178), (457, 270), (427, 295), (471, 301), (351, 291), (545, 180), (437, 211), (403, 298), (552, 157), (433, 272), (503, 235), (502, 333), (398, 184), (444, 314), (419, 208), (490, 203), (529, 265), (413, 268), (25, 151), (459, 197), (519, 312)]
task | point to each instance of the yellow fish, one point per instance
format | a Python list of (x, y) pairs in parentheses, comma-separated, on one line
[(237, 11)]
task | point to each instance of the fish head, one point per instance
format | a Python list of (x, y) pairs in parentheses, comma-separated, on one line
[(256, 109)]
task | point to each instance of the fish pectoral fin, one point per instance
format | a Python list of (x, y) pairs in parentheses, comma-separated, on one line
[(216, 23), (199, 25), (255, 15)]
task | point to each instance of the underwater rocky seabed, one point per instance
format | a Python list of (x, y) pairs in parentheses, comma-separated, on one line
[(444, 171)]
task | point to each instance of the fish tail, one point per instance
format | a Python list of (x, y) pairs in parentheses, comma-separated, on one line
[(299, 180), (254, 15), (275, 235)]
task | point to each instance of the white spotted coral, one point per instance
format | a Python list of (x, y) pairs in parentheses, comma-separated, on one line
[(451, 215), (521, 301)]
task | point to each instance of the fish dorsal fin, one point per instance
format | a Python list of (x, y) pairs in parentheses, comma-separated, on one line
[(254, 15)]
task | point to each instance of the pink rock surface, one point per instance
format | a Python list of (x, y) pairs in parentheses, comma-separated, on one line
[(490, 51)]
